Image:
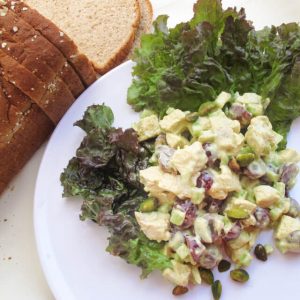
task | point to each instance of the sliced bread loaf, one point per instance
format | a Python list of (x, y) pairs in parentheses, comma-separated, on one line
[(23, 127), (24, 142), (103, 30), (10, 118), (57, 37), (38, 55), (52, 98)]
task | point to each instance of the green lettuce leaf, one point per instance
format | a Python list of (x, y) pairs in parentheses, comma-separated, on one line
[(208, 11), (97, 116), (128, 242), (176, 67), (80, 180), (218, 50), (96, 150), (148, 255)]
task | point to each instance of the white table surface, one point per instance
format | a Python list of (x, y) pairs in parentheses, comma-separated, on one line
[(21, 277)]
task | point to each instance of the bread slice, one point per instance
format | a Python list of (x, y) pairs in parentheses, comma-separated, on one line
[(25, 141), (53, 99), (23, 127), (71, 78), (57, 37), (15, 96), (145, 24), (103, 30), (38, 55), (10, 119)]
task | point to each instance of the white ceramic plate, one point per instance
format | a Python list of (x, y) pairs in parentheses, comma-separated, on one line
[(72, 252)]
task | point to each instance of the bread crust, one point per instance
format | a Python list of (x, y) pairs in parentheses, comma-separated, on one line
[(143, 28), (24, 143), (23, 127), (53, 99), (58, 38), (70, 77), (38, 55)]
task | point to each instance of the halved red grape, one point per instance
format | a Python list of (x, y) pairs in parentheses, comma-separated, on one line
[(288, 175), (294, 210), (195, 246), (211, 153), (233, 233), (262, 217), (164, 154), (210, 258), (239, 112), (190, 210), (205, 180), (213, 206)]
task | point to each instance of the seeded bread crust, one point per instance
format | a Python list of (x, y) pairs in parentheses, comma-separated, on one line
[(58, 38), (71, 78), (15, 96), (10, 118), (25, 141), (53, 99), (23, 128), (32, 50)]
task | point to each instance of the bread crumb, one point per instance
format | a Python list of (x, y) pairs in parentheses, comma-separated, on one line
[(61, 33), (3, 45), (51, 87), (15, 29), (25, 8)]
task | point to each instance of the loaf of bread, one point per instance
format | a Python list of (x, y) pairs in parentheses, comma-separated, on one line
[(38, 55), (48, 56), (23, 128), (56, 36), (113, 23)]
